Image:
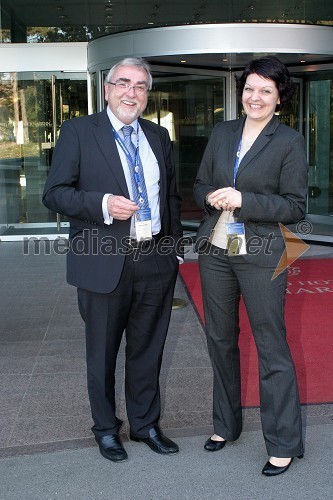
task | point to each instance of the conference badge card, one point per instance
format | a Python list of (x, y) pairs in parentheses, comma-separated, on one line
[(236, 244), (143, 228)]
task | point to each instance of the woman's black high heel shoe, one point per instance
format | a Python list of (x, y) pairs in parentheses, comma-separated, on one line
[(273, 470), (211, 445)]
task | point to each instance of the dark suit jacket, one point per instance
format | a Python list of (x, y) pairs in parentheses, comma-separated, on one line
[(85, 166), (273, 180)]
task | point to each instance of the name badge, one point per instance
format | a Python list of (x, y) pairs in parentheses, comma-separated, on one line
[(143, 229), (236, 243)]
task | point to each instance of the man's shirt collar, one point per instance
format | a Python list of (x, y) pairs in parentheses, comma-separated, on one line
[(117, 124)]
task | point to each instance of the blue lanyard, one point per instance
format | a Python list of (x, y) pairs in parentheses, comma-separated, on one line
[(237, 162), (124, 148)]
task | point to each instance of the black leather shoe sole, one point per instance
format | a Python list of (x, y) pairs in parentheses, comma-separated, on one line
[(211, 445), (111, 448)]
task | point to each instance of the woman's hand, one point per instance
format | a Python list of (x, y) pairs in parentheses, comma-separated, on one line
[(226, 198)]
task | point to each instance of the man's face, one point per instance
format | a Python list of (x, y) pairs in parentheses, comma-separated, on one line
[(127, 104)]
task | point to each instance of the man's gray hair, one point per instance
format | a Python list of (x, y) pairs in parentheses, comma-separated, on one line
[(131, 61)]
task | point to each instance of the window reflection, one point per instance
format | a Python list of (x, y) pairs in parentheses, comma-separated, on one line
[(320, 134), (28, 123), (189, 109)]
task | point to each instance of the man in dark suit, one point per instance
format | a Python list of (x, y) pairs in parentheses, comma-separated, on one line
[(113, 176)]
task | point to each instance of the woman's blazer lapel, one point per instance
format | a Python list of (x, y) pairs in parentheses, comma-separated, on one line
[(261, 141)]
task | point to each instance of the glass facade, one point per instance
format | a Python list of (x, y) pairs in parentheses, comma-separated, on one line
[(189, 108), (32, 107), (320, 132), (83, 20)]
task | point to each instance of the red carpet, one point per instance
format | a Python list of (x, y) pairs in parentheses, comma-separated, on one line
[(309, 318)]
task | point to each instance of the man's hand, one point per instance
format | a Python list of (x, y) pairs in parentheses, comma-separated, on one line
[(120, 207)]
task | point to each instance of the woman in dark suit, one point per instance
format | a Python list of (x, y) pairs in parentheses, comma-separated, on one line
[(252, 179)]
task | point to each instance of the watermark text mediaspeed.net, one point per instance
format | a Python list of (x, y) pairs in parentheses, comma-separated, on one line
[(88, 242)]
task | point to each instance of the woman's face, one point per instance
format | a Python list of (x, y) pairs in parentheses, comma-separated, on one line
[(260, 97)]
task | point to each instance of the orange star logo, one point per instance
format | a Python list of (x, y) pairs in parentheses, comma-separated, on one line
[(295, 247)]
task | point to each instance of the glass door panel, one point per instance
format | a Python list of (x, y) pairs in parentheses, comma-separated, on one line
[(32, 107), (320, 139), (188, 107)]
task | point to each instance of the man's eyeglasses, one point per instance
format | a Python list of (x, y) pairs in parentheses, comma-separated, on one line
[(126, 87)]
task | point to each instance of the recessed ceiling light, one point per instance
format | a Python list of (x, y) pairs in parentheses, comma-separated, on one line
[(183, 61)]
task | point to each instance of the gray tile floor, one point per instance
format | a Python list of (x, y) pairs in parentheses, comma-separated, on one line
[(43, 397)]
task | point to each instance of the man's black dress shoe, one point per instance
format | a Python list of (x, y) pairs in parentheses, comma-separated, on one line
[(111, 448), (211, 445), (273, 470), (158, 442)]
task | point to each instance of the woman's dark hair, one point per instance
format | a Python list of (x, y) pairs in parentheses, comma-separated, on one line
[(272, 68)]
